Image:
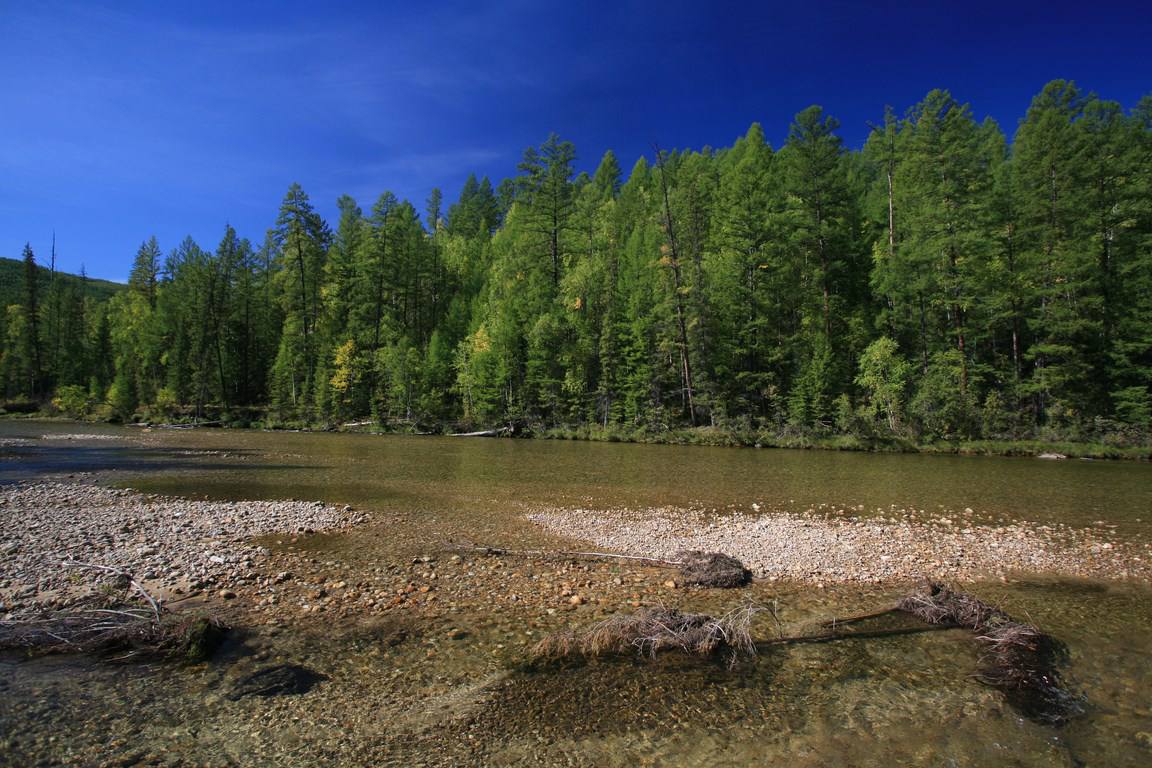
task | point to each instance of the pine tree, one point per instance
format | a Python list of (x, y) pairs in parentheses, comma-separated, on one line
[(29, 340), (302, 239), (818, 220), (546, 192), (752, 283), (145, 272), (1051, 182)]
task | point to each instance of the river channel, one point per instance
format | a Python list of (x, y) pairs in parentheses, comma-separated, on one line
[(448, 683)]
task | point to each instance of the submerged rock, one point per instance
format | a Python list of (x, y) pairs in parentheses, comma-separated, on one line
[(198, 638), (279, 680)]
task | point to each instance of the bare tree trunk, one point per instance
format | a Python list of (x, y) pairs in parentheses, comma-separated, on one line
[(554, 244), (825, 290)]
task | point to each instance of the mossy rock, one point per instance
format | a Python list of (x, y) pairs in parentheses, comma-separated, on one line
[(196, 639)]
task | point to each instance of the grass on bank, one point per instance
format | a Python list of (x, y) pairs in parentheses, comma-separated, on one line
[(1105, 446), (714, 436)]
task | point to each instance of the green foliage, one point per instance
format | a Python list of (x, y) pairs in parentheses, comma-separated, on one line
[(846, 421), (17, 370), (122, 397), (938, 284), (1134, 406), (12, 283), (73, 401), (943, 403), (810, 402), (996, 420), (883, 377), (146, 271), (481, 378), (166, 403)]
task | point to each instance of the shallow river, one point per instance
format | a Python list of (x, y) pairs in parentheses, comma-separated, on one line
[(905, 700)]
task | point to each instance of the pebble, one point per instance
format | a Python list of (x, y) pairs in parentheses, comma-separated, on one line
[(175, 544), (823, 546)]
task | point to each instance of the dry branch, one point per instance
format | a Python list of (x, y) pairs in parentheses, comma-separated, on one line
[(152, 602), (1018, 659), (136, 624), (657, 630)]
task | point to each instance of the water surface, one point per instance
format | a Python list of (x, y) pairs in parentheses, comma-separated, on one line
[(429, 700)]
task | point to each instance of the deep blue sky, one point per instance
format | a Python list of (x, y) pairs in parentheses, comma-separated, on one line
[(121, 120)]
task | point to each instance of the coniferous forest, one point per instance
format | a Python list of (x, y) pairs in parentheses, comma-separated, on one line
[(941, 282)]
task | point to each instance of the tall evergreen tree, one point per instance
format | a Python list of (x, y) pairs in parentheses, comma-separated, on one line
[(302, 240), (818, 221), (742, 287), (1051, 186), (30, 338), (547, 192)]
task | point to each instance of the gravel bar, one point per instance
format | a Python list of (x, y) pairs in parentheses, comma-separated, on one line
[(821, 548), (173, 546)]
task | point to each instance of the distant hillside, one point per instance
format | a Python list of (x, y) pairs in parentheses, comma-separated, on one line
[(12, 283)]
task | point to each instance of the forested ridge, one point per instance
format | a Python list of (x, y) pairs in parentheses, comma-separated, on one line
[(940, 282), (12, 284)]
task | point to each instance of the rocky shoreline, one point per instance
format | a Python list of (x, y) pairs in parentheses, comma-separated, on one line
[(175, 547), (837, 548), (418, 632), (179, 548)]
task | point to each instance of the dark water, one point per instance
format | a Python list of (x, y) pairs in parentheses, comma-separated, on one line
[(909, 700)]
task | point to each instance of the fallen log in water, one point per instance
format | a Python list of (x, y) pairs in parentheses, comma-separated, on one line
[(125, 631), (1019, 660), (652, 631), (657, 630)]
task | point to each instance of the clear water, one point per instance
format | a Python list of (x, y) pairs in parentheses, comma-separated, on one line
[(431, 700)]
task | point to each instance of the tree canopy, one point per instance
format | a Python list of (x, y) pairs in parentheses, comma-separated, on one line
[(942, 281)]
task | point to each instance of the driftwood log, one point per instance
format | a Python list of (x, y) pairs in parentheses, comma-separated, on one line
[(125, 625), (1018, 659), (657, 630)]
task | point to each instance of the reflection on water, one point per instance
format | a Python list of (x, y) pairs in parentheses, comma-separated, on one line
[(452, 474), (451, 689)]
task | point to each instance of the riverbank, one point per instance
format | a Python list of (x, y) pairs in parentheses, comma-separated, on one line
[(836, 546), (280, 562), (1112, 449), (180, 548), (711, 436), (423, 638)]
